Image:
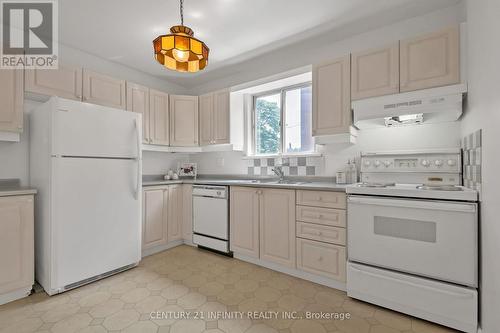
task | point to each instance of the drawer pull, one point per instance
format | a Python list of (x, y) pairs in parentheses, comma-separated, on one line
[(320, 233), (320, 216), (320, 198), (320, 258)]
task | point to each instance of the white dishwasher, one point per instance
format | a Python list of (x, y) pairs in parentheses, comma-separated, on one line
[(210, 217)]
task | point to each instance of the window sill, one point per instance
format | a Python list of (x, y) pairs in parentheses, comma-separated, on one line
[(254, 157)]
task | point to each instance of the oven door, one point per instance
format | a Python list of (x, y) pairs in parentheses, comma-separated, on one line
[(436, 239)]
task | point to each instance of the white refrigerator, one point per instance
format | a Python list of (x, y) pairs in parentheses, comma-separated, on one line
[(85, 161)]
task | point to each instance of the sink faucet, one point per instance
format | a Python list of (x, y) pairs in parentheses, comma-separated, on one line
[(278, 170)]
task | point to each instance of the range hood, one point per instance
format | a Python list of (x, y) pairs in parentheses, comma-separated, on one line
[(442, 104)]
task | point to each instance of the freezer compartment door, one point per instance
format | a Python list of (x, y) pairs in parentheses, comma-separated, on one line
[(96, 222), (439, 302), (81, 129)]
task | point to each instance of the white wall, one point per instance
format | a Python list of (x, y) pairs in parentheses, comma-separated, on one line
[(157, 163), (445, 135), (484, 112)]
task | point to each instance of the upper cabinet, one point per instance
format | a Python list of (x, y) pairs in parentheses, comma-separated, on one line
[(375, 72), (138, 101), (11, 100), (431, 60), (183, 120), (103, 90), (332, 97), (66, 82), (214, 118), (159, 131)]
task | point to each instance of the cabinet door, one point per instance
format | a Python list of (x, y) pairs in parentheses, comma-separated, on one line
[(174, 212), (11, 100), (16, 243), (154, 224), (375, 72), (431, 60), (206, 119), (159, 130), (321, 258), (331, 97), (187, 212), (103, 90), (221, 117), (138, 101), (244, 221), (66, 82), (183, 120), (277, 226)]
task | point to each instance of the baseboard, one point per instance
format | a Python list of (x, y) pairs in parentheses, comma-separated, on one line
[(15, 295), (294, 272), (160, 248)]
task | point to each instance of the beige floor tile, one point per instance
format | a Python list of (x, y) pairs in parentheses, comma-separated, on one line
[(188, 326), (421, 326), (230, 297), (252, 304), (302, 326), (72, 323), (107, 308), (122, 287), (353, 325), (383, 329), (267, 294), (247, 285), (135, 295), (359, 308), (159, 284), (393, 319), (291, 302), (261, 328), (23, 326), (192, 300), (142, 327), (150, 304), (234, 325), (121, 319), (175, 291), (94, 299), (93, 329), (162, 318), (329, 298), (60, 312), (211, 288)]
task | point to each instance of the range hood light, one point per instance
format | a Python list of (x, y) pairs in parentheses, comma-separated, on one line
[(407, 119)]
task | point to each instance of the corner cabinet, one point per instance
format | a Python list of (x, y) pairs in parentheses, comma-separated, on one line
[(214, 118), (65, 82), (431, 60), (104, 90), (16, 247), (332, 97), (244, 217), (258, 229), (11, 100), (138, 101), (375, 72), (183, 121)]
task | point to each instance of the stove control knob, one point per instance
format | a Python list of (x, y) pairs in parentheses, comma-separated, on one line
[(367, 163), (387, 163), (425, 163), (452, 162), (377, 163), (438, 162)]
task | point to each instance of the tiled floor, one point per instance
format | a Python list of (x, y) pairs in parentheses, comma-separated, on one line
[(187, 279)]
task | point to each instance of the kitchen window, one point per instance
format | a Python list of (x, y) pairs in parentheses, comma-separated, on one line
[(282, 121)]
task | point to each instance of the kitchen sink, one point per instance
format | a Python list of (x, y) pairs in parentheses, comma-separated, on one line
[(284, 182)]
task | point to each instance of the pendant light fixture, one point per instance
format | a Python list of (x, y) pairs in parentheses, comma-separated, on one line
[(180, 51)]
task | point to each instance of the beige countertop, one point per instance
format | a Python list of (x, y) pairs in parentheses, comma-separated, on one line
[(300, 184)]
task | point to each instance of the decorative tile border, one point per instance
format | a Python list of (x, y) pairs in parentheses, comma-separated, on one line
[(472, 160), (292, 166)]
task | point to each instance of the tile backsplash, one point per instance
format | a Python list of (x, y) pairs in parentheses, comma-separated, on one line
[(292, 166), (472, 150)]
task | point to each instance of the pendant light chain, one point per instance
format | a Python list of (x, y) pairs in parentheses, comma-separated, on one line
[(182, 11)]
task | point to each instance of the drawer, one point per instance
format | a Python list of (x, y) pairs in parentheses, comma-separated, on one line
[(322, 233), (321, 258), (325, 216), (321, 199)]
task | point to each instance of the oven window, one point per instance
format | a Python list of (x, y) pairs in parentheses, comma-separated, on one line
[(405, 228)]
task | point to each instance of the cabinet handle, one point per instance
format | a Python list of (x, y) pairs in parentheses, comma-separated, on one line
[(320, 198), (320, 233), (320, 258), (320, 216)]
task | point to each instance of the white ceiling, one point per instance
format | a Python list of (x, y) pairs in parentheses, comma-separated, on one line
[(235, 30)]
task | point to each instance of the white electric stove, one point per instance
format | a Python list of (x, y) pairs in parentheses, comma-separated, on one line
[(413, 236)]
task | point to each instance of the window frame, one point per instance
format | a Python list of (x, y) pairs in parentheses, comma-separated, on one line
[(282, 92)]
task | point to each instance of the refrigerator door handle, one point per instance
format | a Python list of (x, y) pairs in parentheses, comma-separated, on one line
[(138, 179)]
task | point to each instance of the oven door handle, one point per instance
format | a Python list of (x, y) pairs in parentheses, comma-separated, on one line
[(419, 204)]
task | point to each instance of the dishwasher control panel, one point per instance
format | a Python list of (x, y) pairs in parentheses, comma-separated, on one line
[(210, 191)]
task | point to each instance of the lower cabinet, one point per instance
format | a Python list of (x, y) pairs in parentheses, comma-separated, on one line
[(16, 247), (187, 213), (163, 216), (320, 258), (262, 224), (277, 226)]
